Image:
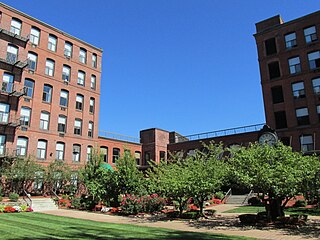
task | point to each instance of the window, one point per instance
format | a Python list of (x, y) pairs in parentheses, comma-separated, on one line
[(76, 152), (306, 143), (89, 153), (302, 116), (274, 70), (25, 114), (137, 156), (81, 77), (7, 83), (294, 65), (62, 123), (271, 47), (314, 60), (60, 151), (79, 102), (47, 93), (32, 61), (318, 111), (83, 55), (316, 85), (91, 108), (310, 34), (94, 60), (280, 119), (49, 67), (298, 90), (93, 82), (68, 49), (42, 149), (192, 152), (77, 127), (115, 154), (66, 70), (277, 94), (146, 158), (4, 112), (162, 155), (90, 129), (44, 120), (35, 35), (291, 40), (29, 86), (15, 26), (2, 144), (64, 98), (22, 145), (52, 43), (12, 54), (104, 154)]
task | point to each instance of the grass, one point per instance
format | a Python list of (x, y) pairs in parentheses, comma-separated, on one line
[(37, 226), (288, 211)]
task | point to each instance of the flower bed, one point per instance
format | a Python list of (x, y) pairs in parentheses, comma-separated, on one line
[(13, 209)]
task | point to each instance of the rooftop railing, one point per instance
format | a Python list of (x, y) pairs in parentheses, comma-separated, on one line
[(117, 136)]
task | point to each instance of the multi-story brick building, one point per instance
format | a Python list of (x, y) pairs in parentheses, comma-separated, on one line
[(50, 91)]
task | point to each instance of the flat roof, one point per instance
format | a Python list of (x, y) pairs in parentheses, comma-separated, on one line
[(47, 25)]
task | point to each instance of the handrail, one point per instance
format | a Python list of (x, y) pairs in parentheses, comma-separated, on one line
[(28, 197), (247, 197), (54, 193), (56, 196), (227, 196)]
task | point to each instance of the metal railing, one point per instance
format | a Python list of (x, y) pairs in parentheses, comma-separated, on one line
[(221, 133), (117, 136), (26, 198), (247, 197), (227, 196)]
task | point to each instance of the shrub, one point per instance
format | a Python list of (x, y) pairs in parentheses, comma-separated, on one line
[(29, 209), (1, 208), (152, 203), (9, 209), (13, 197), (254, 201), (191, 215), (209, 212), (87, 202), (300, 203), (219, 195), (1, 198), (76, 202), (24, 208), (131, 204)]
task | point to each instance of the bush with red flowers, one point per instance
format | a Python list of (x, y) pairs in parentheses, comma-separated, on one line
[(9, 209)]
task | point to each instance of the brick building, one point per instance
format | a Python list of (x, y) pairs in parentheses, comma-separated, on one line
[(50, 91)]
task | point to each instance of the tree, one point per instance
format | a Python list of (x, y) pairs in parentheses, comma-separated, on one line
[(276, 172)]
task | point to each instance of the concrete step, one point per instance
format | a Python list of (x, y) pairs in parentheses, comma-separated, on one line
[(237, 199), (43, 204)]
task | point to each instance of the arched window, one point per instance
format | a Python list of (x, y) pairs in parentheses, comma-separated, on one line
[(94, 60), (42, 149), (104, 153), (29, 86), (66, 73), (115, 154), (137, 156), (90, 129), (91, 108), (22, 146), (32, 61), (35, 35), (52, 43), (93, 82), (49, 67), (4, 112), (12, 54), (60, 151), (7, 83), (81, 78), (64, 96), (44, 120), (15, 26), (62, 123), (76, 152), (77, 126), (83, 55), (47, 93), (25, 114), (68, 49), (89, 153), (79, 102)]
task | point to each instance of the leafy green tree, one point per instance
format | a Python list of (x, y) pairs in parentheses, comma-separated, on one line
[(275, 172)]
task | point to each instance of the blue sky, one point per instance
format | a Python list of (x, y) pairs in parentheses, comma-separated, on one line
[(181, 65)]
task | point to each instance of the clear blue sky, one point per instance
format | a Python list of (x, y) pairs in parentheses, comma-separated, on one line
[(181, 65)]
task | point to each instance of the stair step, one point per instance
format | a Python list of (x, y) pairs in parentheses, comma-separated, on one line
[(43, 204)]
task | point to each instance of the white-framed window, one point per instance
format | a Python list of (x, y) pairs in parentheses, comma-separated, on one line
[(306, 142), (314, 60), (64, 95), (89, 153), (66, 71), (32, 61), (316, 85), (294, 65), (93, 82), (49, 67), (298, 90), (62, 123), (4, 112), (68, 49), (291, 40), (25, 114), (302, 115), (47, 93), (15, 26), (91, 108), (35, 35), (81, 77), (52, 43), (83, 55), (22, 145), (310, 34), (29, 86), (44, 120), (104, 154), (42, 149), (94, 60), (7, 83), (2, 144), (90, 129), (79, 102), (12, 54), (76, 152), (60, 151), (115, 154), (77, 126)]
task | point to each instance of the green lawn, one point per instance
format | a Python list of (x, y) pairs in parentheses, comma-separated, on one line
[(36, 226), (288, 211)]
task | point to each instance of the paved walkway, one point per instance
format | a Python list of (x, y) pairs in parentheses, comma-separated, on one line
[(222, 224)]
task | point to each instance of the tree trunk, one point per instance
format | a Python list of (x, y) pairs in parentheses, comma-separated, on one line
[(274, 208)]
